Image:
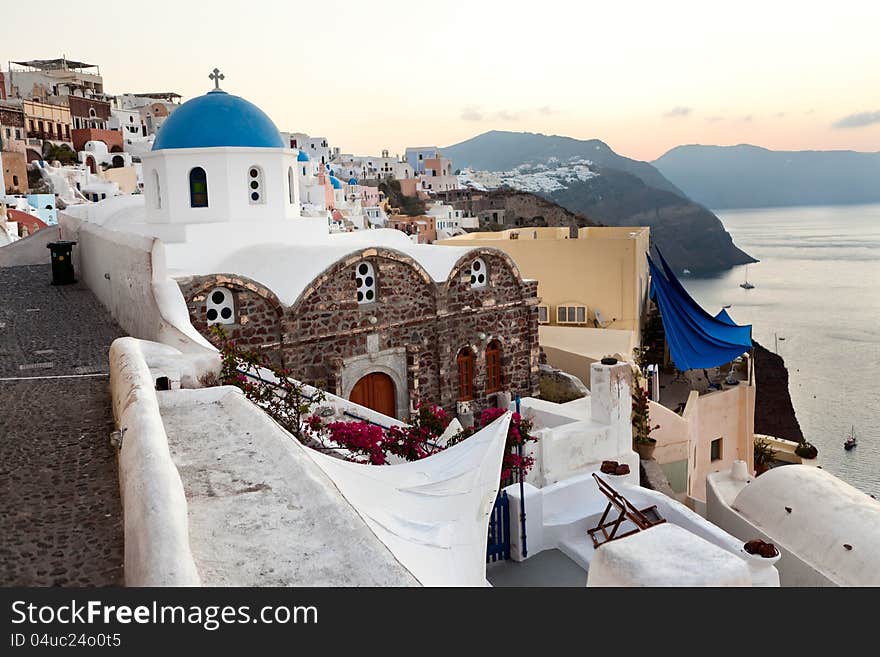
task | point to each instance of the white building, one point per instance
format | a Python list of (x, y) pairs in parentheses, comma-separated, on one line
[(317, 148)]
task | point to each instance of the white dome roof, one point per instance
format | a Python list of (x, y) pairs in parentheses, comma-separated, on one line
[(826, 514)]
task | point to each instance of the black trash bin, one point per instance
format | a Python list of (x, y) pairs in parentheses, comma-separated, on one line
[(62, 262)]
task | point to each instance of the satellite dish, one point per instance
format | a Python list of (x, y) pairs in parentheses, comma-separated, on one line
[(600, 320)]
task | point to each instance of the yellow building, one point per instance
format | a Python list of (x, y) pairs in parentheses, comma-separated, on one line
[(596, 279)]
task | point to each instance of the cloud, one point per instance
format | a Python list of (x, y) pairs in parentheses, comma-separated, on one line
[(678, 111), (748, 118), (546, 109), (780, 115), (471, 113), (504, 115), (715, 119), (859, 120)]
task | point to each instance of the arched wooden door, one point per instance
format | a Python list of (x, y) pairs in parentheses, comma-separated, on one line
[(376, 391)]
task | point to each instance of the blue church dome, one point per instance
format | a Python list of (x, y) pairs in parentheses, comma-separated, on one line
[(336, 182), (302, 157), (352, 181), (218, 119)]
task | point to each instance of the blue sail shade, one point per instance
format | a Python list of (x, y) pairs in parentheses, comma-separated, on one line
[(696, 339), (723, 316)]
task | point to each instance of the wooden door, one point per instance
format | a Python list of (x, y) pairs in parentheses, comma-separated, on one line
[(376, 391)]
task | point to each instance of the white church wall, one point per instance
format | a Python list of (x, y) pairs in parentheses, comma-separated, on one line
[(229, 193)]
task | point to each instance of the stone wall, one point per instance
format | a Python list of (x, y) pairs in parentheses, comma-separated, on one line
[(325, 335), (257, 324)]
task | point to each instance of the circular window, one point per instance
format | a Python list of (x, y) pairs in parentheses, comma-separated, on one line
[(363, 269), (255, 197), (254, 173), (226, 313), (217, 297), (254, 184), (212, 315)]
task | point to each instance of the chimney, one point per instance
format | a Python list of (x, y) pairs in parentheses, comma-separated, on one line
[(611, 399)]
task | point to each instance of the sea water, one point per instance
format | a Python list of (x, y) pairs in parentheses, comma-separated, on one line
[(816, 302)]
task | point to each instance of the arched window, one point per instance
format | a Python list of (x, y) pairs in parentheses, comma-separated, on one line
[(493, 366), (198, 188), (158, 189), (365, 277), (465, 362), (220, 306), (291, 182), (479, 273), (255, 185)]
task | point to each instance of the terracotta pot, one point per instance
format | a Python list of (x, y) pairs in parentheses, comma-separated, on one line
[(646, 450)]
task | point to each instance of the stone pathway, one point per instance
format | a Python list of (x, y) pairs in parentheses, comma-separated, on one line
[(60, 510)]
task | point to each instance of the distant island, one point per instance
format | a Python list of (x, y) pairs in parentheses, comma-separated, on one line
[(587, 177), (745, 176)]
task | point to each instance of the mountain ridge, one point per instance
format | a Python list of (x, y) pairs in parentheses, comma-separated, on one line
[(750, 176), (616, 191)]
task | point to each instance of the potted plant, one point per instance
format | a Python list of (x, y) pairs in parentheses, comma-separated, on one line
[(764, 453), (806, 450), (641, 417)]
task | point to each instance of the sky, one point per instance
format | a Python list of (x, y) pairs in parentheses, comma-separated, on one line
[(641, 76)]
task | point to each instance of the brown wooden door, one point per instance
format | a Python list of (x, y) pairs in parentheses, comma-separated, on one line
[(376, 391)]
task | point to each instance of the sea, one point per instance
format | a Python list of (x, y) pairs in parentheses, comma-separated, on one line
[(816, 302)]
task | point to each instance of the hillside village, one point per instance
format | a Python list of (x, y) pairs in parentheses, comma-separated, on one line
[(286, 365)]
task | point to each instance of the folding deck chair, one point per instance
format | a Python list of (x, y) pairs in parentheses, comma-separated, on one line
[(641, 518)]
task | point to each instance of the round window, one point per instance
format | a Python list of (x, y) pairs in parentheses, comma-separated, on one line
[(255, 197)]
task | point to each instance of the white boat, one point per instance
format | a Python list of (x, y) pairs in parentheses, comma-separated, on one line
[(851, 441), (745, 284)]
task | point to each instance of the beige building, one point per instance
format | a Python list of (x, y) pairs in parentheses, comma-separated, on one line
[(594, 279)]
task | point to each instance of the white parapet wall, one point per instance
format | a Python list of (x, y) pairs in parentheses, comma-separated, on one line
[(574, 438), (157, 550), (558, 517), (127, 273), (827, 531)]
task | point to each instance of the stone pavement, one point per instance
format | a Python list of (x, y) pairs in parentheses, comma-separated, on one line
[(60, 511)]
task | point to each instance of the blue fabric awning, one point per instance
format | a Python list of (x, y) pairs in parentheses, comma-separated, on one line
[(696, 339), (723, 316)]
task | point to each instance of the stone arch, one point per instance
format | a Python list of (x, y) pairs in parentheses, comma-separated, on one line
[(235, 282), (345, 264), (481, 252), (393, 366)]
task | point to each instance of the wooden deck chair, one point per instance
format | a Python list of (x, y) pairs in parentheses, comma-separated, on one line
[(641, 518)]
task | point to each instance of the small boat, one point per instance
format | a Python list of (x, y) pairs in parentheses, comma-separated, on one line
[(745, 284), (685, 272), (851, 441), (727, 306)]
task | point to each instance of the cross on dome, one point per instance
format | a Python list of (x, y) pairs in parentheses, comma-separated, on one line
[(216, 76)]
